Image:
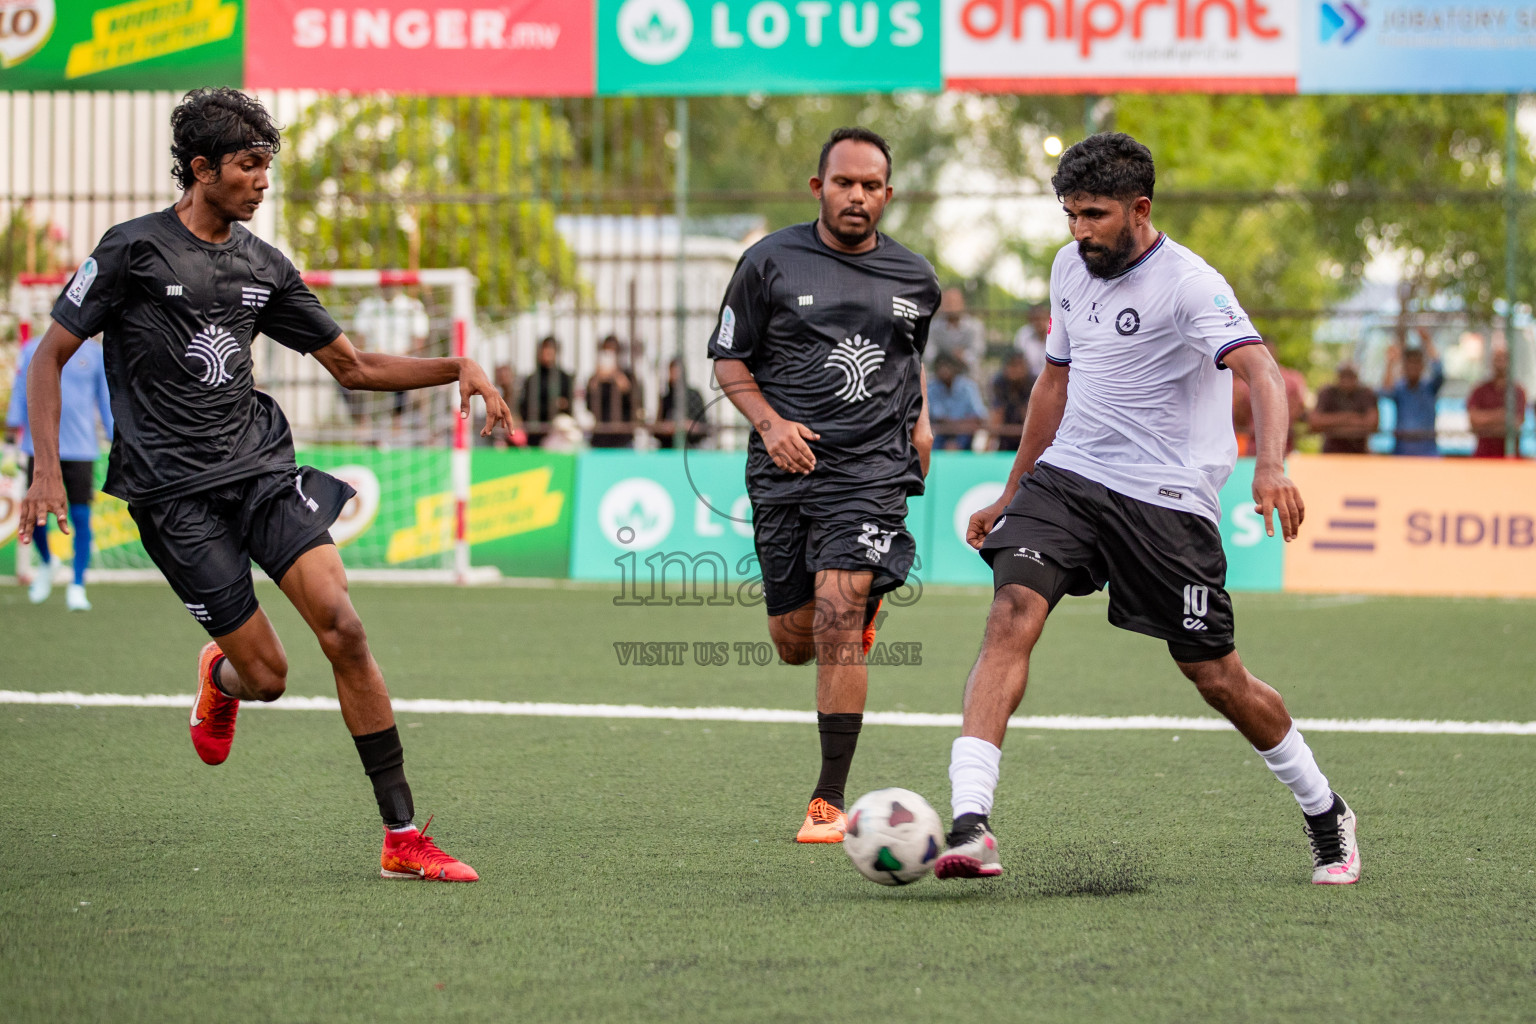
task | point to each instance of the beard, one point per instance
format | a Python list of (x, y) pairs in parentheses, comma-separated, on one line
[(849, 232), (1108, 260)]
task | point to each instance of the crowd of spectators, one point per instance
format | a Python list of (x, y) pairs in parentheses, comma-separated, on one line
[(969, 415)]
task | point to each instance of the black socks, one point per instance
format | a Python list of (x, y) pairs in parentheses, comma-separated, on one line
[(839, 735), (384, 761)]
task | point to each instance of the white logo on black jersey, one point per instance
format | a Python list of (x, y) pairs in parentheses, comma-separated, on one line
[(857, 359), (213, 347), (255, 297), (173, 291), (807, 300), (904, 308), (878, 541)]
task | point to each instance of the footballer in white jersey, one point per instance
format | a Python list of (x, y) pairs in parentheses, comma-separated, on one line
[(1127, 442)]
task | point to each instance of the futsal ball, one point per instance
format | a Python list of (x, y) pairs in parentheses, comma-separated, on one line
[(893, 836)]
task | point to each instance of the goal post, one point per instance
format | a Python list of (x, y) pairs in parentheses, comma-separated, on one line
[(411, 521)]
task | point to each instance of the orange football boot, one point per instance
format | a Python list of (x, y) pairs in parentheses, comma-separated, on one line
[(823, 824), (412, 854), (869, 630), (213, 715)]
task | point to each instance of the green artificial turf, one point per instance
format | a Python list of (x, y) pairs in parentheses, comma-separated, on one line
[(645, 870)]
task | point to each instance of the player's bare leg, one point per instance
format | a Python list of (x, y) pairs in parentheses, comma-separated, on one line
[(1259, 713), (316, 584), (993, 692), (830, 629)]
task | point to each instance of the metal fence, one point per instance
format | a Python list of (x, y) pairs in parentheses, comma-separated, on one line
[(580, 222)]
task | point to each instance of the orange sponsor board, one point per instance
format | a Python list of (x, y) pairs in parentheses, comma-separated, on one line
[(1385, 525)]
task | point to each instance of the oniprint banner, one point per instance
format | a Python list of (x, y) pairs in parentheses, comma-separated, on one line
[(741, 46), (1418, 46), (529, 48), (1099, 46), (142, 44)]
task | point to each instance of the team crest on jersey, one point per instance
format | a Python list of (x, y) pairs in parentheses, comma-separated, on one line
[(214, 347), (858, 360), (1127, 321)]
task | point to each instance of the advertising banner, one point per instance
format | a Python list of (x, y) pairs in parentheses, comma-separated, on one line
[(530, 48), (720, 47), (1104, 46), (142, 44), (1417, 46), (1461, 527)]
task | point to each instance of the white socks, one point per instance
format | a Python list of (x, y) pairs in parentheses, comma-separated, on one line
[(1293, 764), (973, 767)]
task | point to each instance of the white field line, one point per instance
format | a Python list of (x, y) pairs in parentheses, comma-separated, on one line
[(545, 709)]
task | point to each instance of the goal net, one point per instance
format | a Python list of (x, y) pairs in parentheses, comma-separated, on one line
[(406, 454)]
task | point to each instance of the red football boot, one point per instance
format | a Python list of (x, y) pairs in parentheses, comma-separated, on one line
[(411, 854), (213, 715)]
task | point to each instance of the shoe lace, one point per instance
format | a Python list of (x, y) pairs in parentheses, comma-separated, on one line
[(823, 812), (422, 847), (1327, 844), (220, 720)]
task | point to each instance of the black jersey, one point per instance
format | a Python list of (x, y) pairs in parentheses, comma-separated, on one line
[(835, 341), (177, 316)]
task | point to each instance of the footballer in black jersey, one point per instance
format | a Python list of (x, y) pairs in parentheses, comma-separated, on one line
[(820, 344), (206, 462)]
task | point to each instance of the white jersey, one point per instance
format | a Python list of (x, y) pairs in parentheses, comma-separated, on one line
[(1149, 400)]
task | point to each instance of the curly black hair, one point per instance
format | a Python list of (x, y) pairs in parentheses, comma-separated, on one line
[(212, 123), (1107, 164), (854, 134)]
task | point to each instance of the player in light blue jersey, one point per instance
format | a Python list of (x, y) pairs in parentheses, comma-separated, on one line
[(86, 403)]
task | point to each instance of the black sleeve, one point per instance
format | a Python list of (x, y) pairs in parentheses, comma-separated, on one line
[(92, 297), (920, 329), (744, 315), (293, 317)]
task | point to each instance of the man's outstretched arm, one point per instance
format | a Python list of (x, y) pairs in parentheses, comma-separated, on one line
[(45, 402), (376, 371)]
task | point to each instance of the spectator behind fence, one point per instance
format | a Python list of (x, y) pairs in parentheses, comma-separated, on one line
[(1487, 410), (1030, 340), (954, 405), (693, 409), (1010, 401), (1413, 381), (955, 332), (611, 399), (1295, 403), (1346, 414), (512, 435), (548, 392)]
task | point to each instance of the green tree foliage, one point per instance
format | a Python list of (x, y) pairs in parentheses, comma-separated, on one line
[(1421, 178), (400, 181)]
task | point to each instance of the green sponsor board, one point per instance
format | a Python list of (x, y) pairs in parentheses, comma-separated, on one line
[(649, 522), (719, 47), (403, 515), (520, 511), (1254, 561), (142, 44)]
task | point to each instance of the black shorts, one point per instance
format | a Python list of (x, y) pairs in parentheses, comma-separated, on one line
[(79, 479), (1064, 534), (861, 532), (204, 543)]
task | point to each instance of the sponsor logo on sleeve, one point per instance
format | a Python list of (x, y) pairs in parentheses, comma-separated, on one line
[(84, 278), (727, 336)]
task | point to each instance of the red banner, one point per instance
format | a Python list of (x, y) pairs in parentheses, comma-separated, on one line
[(518, 48)]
